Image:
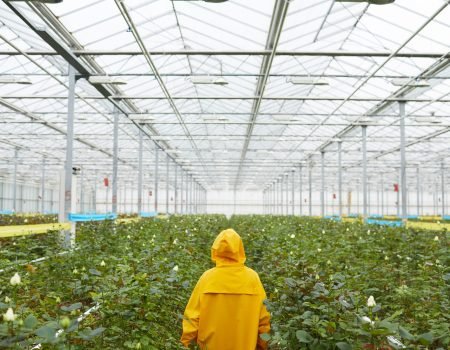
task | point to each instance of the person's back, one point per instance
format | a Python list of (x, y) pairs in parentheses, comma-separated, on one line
[(226, 310)]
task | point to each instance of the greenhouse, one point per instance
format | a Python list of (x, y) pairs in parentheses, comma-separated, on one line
[(133, 132)]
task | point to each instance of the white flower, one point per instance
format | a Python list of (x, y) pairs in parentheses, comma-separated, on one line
[(291, 252), (408, 258), (15, 280), (371, 301), (9, 316), (129, 237), (292, 236), (7, 300), (323, 232), (276, 290), (25, 221), (319, 250), (365, 319), (317, 277), (368, 232), (436, 238), (347, 229), (175, 241), (75, 271), (328, 262), (103, 263), (386, 258), (175, 268)]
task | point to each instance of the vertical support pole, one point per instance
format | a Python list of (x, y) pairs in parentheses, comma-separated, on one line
[(364, 173), (403, 159), (443, 188), (340, 177), (286, 179), (115, 160), (125, 197), (293, 192), (182, 192), (175, 197), (69, 236), (398, 193), (16, 160), (282, 194), (167, 183), (322, 187), (310, 190), (156, 176), (82, 192), (140, 172), (300, 190), (94, 199), (43, 186), (382, 195), (418, 190)]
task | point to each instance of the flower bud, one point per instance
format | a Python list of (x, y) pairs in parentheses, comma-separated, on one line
[(436, 238), (371, 301), (175, 268), (7, 300), (103, 263), (9, 316), (15, 280), (292, 236), (65, 322)]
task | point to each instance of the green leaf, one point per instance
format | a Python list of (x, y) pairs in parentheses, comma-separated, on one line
[(343, 346), (46, 332), (71, 307), (405, 334), (291, 282), (447, 277), (95, 272), (30, 322), (303, 337), (265, 336), (425, 338)]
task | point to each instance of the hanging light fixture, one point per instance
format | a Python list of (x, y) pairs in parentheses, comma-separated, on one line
[(42, 1)]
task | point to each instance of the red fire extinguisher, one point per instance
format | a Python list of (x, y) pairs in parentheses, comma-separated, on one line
[(106, 182)]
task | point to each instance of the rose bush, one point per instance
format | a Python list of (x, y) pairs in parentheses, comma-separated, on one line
[(136, 278)]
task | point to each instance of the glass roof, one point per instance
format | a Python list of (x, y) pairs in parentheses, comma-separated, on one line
[(292, 79)]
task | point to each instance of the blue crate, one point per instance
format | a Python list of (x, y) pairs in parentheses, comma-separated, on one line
[(91, 217), (6, 212), (384, 223), (150, 214)]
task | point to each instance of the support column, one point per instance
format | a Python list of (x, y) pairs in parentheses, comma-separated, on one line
[(94, 195), (293, 192), (300, 175), (322, 187), (443, 188), (286, 185), (115, 160), (418, 189), (364, 174), (398, 192), (16, 156), (82, 191), (182, 192), (340, 177), (175, 197), (310, 190), (167, 183), (403, 188), (43, 186), (382, 195), (69, 236), (140, 172), (156, 176)]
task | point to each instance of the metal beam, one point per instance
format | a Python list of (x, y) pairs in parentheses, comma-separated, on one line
[(318, 53), (275, 30)]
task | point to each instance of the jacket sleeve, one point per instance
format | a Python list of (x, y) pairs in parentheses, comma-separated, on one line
[(191, 317), (264, 322)]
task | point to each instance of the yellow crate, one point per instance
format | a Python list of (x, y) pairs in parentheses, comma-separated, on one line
[(26, 230)]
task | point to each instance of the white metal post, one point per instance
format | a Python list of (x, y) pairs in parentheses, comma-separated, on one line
[(364, 173), (443, 188), (140, 171), (382, 195), (156, 176), (418, 190), (293, 192), (340, 177), (69, 236), (310, 190), (43, 186), (167, 183), (175, 199), (300, 190), (182, 192), (322, 187), (115, 159), (16, 156), (403, 188)]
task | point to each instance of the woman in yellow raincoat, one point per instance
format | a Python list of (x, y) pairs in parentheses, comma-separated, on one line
[(226, 309)]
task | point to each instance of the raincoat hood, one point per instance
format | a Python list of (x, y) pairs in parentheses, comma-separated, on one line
[(228, 249)]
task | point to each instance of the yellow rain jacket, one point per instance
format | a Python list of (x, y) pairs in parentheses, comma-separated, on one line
[(226, 310)]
